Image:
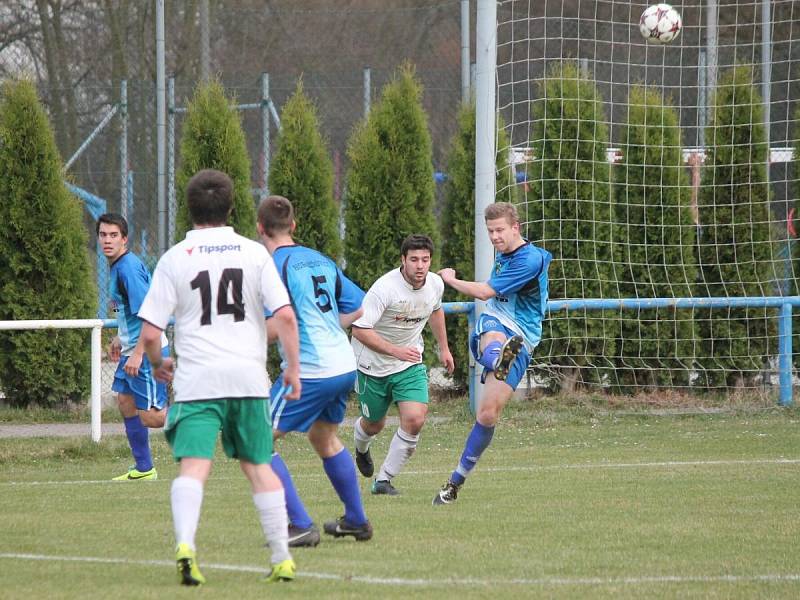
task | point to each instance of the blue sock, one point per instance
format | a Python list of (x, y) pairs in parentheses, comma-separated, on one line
[(139, 441), (341, 471), (294, 506), (478, 440), (490, 354)]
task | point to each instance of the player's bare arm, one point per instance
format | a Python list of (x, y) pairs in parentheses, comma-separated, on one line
[(475, 289), (150, 338), (272, 332), (284, 322), (115, 349), (372, 340), (440, 333), (348, 319), (135, 359)]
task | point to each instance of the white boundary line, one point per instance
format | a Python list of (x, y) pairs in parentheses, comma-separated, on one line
[(588, 466), (470, 582)]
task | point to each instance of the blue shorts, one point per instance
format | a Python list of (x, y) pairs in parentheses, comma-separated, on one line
[(146, 391), (323, 399), (490, 323)]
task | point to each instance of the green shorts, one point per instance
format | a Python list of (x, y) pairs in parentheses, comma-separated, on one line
[(192, 427), (376, 394)]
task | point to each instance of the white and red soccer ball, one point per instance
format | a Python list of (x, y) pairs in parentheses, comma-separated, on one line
[(660, 23)]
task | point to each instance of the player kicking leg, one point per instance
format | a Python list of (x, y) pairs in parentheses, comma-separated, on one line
[(505, 359)]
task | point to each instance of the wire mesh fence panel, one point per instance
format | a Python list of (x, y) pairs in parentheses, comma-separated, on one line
[(655, 170)]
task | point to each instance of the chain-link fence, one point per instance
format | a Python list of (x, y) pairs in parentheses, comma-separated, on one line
[(82, 56)]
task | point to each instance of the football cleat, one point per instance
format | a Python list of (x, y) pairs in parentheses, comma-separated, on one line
[(303, 536), (341, 528), (384, 488), (188, 571), (134, 474), (508, 354), (364, 463), (446, 495), (283, 571)]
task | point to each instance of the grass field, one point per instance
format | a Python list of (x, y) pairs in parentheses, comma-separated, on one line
[(569, 502)]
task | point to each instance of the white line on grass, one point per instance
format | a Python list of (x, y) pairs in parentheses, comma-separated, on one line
[(541, 582), (633, 465)]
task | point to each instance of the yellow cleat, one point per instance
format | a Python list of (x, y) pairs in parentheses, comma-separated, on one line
[(283, 571), (188, 571), (134, 474)]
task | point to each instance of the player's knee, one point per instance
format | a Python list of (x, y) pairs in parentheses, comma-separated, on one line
[(324, 440), (413, 425), (153, 418)]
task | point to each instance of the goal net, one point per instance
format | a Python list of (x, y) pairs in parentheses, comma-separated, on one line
[(656, 171)]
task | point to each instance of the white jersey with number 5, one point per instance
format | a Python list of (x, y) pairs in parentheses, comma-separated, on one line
[(216, 283)]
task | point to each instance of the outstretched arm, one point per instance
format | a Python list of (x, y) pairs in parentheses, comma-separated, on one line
[(476, 289)]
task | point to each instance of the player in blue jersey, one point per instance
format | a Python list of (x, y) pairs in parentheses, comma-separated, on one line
[(325, 302), (506, 332), (141, 399)]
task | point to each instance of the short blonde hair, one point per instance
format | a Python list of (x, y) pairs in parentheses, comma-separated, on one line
[(500, 210)]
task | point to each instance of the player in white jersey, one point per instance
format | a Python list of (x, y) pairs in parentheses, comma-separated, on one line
[(387, 341), (217, 284)]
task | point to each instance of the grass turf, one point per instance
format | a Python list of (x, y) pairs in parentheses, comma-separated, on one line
[(568, 502)]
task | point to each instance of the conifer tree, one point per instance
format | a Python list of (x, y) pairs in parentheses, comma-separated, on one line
[(301, 170), (213, 139), (458, 222), (43, 259), (390, 186), (654, 247), (735, 248), (570, 181)]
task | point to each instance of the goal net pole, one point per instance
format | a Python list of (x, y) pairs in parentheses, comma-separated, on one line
[(96, 325), (485, 119)]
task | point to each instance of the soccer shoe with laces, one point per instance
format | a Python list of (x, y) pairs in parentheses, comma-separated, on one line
[(188, 571), (341, 528), (384, 488), (303, 536), (446, 495), (364, 463), (135, 474), (283, 571), (508, 354)]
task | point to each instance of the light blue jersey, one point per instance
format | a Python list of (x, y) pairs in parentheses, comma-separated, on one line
[(130, 281), (519, 279), (319, 292)]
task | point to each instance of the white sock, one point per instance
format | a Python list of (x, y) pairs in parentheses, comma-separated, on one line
[(362, 438), (187, 497), (401, 448), (271, 507)]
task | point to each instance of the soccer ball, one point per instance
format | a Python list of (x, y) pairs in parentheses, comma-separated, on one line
[(660, 23)]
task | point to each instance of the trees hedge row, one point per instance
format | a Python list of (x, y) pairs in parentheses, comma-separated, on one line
[(622, 231), (46, 272)]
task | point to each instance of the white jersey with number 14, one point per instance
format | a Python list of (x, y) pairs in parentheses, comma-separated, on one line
[(216, 283)]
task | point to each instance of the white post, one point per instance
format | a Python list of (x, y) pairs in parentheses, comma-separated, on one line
[(96, 382), (485, 119), (161, 128), (96, 326), (465, 64)]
